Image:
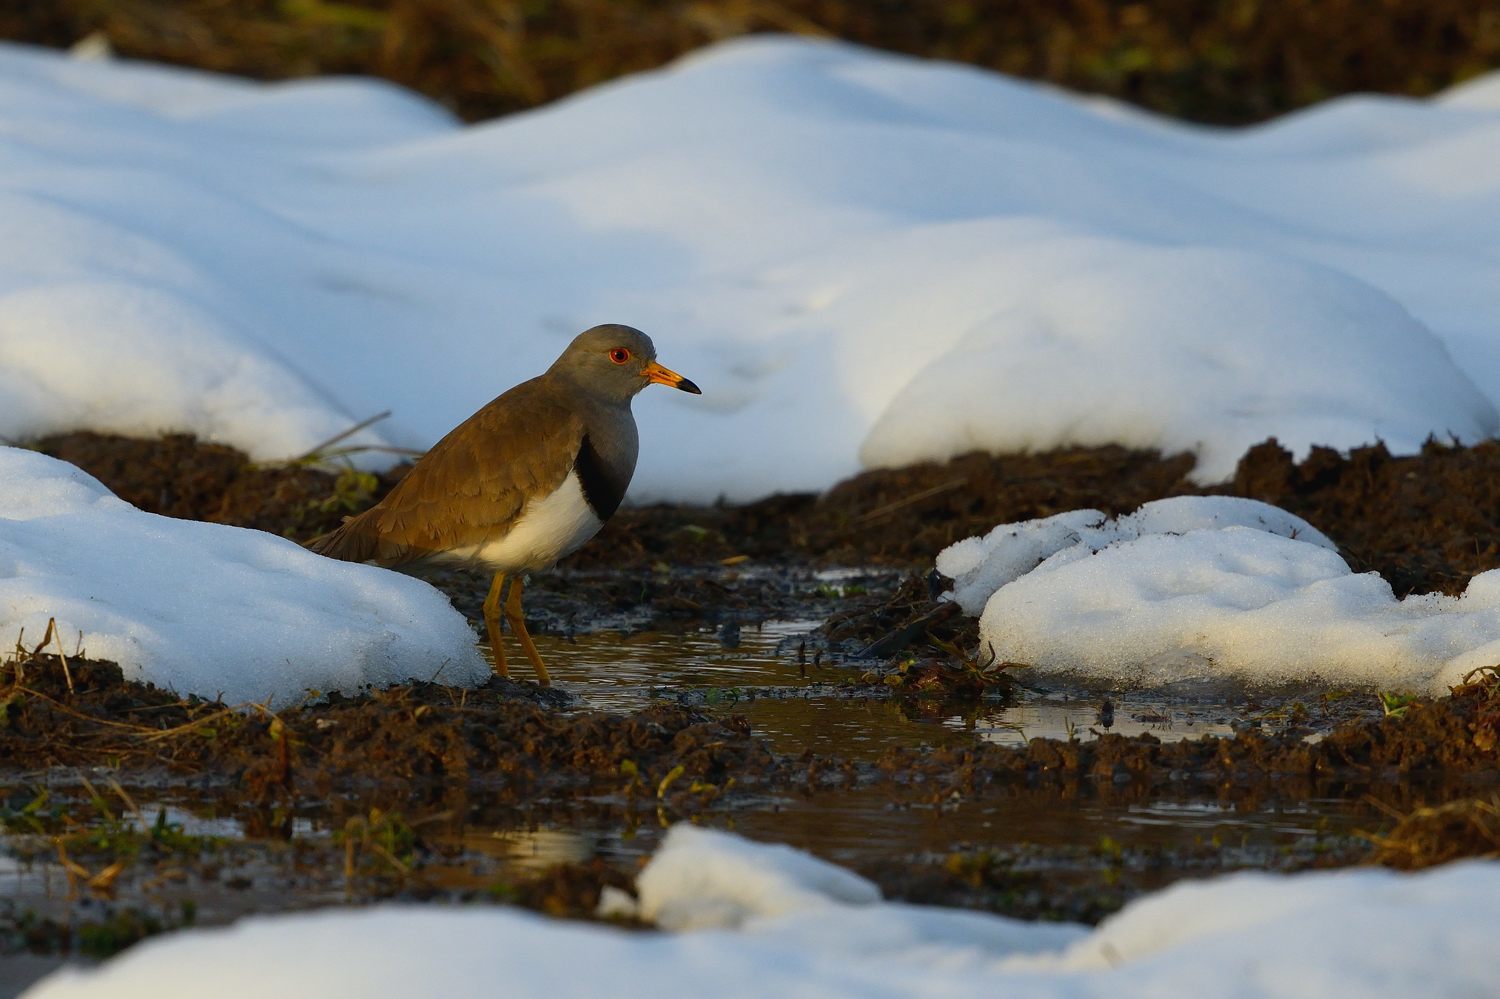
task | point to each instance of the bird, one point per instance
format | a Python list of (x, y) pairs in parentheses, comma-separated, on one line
[(525, 481)]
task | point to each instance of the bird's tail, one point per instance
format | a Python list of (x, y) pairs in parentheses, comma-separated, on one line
[(346, 542)]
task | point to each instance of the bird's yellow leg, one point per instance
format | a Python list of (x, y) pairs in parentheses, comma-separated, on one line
[(492, 623), (518, 628)]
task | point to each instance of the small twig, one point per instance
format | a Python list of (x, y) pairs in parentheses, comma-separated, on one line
[(71, 868), (389, 857), (104, 881), (318, 449), (135, 809), (902, 638), (52, 635), (441, 666), (168, 733), (343, 452), (906, 501), (19, 660), (146, 732)]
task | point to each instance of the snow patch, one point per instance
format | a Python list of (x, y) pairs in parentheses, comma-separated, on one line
[(1355, 932), (209, 609), (1196, 588), (861, 258)]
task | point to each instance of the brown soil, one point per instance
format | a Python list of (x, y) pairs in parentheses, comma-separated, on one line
[(398, 770), (1429, 738), (369, 764), (181, 476), (508, 737), (1221, 62), (1425, 522)]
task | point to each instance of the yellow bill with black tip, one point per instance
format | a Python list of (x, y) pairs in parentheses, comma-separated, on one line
[(666, 376)]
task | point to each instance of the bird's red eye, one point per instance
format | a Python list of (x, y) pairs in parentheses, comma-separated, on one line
[(619, 355)]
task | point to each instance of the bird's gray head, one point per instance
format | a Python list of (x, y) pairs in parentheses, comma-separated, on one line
[(614, 362)]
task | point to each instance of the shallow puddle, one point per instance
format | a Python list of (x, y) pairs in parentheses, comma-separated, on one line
[(614, 671), (1087, 840), (796, 700), (1065, 852)]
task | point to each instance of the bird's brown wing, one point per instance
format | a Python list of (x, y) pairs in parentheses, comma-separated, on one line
[(471, 487)]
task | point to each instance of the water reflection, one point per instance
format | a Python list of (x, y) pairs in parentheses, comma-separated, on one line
[(798, 702), (795, 702)]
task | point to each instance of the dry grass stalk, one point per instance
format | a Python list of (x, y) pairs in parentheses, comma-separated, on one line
[(1469, 827)]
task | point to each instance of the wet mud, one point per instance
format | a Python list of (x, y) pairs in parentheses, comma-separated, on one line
[(401, 794), (876, 735), (1425, 522)]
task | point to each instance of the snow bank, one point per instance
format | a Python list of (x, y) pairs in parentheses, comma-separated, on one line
[(208, 609), (859, 256), (1181, 349), (981, 565), (1358, 932), (1210, 587)]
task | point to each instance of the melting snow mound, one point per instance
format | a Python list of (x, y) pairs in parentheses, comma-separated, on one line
[(859, 256), (706, 879), (1166, 337), (1210, 587), (209, 609)]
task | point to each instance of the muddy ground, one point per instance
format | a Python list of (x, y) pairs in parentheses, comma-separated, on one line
[(150, 812), (1426, 522)]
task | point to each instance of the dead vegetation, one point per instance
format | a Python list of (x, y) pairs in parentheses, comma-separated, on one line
[(180, 476), (1425, 522), (1454, 830), (519, 742), (396, 777), (508, 736), (398, 774), (1225, 61)]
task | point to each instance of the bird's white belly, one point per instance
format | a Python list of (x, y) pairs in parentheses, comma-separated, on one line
[(547, 529)]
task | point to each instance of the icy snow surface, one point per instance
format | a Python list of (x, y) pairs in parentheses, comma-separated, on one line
[(1369, 933), (205, 608), (1210, 587), (858, 256)]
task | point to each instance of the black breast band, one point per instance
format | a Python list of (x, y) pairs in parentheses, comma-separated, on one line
[(602, 490)]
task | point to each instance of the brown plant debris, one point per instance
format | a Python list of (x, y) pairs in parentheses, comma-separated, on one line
[(1469, 827), (1219, 62)]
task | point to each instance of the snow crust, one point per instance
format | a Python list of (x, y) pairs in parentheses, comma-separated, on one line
[(1354, 932), (1204, 588), (862, 258), (702, 878), (209, 609)]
